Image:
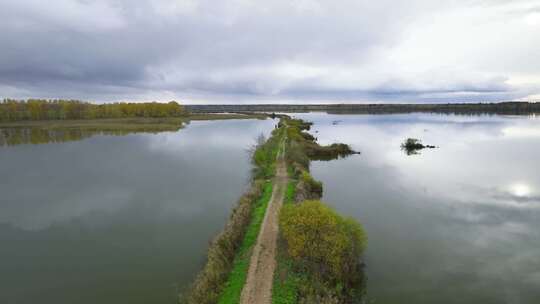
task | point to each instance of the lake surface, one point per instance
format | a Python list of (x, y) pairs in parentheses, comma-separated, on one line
[(96, 218), (117, 219), (457, 224)]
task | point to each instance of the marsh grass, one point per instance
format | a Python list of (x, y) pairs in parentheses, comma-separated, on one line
[(210, 281)]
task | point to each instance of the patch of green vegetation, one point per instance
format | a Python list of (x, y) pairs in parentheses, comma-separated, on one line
[(297, 157), (290, 192), (265, 154), (302, 146), (290, 171), (299, 124), (237, 277), (330, 152), (312, 186), (286, 281)]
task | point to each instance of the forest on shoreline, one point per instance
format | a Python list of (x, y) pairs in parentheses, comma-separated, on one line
[(58, 109)]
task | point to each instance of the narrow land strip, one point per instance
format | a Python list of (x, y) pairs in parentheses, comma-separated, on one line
[(258, 287)]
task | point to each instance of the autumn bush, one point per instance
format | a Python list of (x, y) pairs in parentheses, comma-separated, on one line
[(325, 246)]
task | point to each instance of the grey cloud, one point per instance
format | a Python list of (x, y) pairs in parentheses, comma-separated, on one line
[(526, 200), (119, 49)]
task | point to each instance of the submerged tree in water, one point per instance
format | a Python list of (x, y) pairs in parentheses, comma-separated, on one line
[(412, 146)]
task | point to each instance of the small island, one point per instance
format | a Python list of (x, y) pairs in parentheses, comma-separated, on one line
[(412, 146)]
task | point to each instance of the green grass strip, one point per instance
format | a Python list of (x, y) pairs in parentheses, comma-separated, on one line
[(290, 192), (286, 281), (238, 275)]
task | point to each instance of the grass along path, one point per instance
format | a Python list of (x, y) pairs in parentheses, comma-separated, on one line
[(286, 281), (258, 286), (237, 277)]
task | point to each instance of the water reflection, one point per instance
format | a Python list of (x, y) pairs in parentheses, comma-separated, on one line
[(458, 224), (520, 189), (118, 219), (36, 135)]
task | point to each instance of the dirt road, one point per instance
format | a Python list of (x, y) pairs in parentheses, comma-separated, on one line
[(258, 287)]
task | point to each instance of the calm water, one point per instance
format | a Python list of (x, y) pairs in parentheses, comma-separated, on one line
[(127, 219), (117, 219), (458, 224)]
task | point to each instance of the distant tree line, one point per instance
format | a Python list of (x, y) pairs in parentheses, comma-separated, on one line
[(40, 109), (458, 108)]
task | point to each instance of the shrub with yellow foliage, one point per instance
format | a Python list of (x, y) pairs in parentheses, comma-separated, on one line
[(323, 244)]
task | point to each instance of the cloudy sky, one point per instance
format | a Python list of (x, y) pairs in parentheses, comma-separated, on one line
[(240, 51)]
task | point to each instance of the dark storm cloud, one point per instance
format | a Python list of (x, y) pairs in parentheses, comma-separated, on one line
[(220, 50)]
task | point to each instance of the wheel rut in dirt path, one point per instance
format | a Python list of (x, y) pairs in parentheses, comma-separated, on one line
[(258, 287)]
